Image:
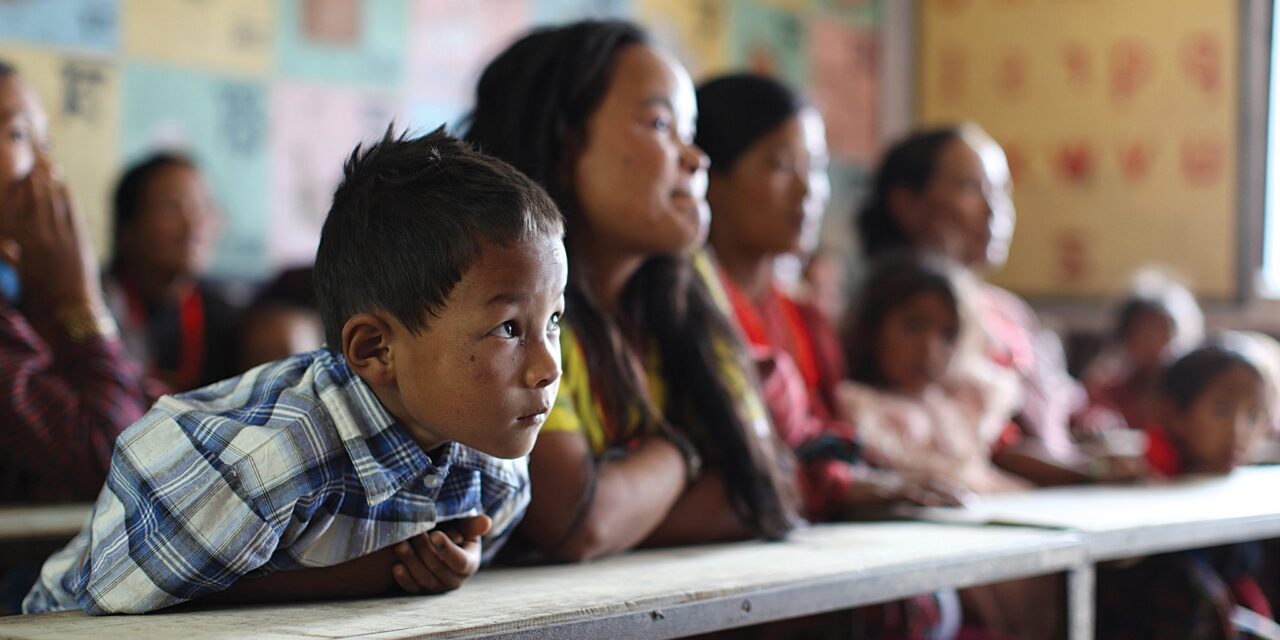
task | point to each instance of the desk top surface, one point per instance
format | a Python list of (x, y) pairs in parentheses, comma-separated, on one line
[(41, 522), (669, 592)]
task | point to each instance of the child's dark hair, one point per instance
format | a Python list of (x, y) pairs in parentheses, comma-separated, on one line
[(410, 217), (1185, 379), (911, 164), (1137, 306), (892, 280), (735, 111), (532, 106), (131, 190)]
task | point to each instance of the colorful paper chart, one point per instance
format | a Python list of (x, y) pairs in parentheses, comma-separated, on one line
[(231, 36), (77, 24), (845, 85), (81, 96), (453, 41), (1120, 121), (558, 11), (696, 30), (770, 40), (307, 167), (343, 41), (222, 122)]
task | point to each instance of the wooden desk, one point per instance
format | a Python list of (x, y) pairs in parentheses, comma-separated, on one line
[(647, 594), (1129, 521), (29, 533), (26, 523)]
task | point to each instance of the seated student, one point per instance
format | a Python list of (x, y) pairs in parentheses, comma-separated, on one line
[(440, 275), (171, 320), (67, 387), (947, 190), (656, 382), (899, 340), (282, 320), (1212, 408), (1160, 320), (1209, 411), (767, 189)]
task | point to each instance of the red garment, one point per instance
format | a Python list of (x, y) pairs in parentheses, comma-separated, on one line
[(1162, 456), (61, 408), (800, 363)]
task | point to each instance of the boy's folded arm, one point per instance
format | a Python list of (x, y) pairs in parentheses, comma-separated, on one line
[(582, 509), (367, 576)]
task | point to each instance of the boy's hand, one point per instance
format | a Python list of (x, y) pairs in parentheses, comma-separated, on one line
[(441, 560)]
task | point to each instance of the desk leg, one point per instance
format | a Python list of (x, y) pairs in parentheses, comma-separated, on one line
[(1080, 602)]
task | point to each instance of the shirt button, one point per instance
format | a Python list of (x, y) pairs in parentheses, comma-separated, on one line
[(431, 482)]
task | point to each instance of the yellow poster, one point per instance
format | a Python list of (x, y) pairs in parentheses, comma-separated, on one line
[(1120, 122), (82, 97), (696, 30), (230, 36)]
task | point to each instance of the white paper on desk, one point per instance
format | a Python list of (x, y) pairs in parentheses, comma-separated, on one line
[(1097, 508)]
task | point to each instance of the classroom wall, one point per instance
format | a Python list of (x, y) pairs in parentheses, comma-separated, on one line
[(270, 96), (1121, 120)]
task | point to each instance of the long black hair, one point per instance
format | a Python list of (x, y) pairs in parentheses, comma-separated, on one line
[(893, 279), (736, 110), (911, 164), (532, 106)]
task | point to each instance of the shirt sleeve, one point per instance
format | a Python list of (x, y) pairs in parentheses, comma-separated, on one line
[(63, 409), (506, 508), (169, 526)]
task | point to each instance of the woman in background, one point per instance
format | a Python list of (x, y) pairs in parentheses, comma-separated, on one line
[(658, 435)]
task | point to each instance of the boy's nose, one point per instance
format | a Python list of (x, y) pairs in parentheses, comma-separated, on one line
[(544, 364)]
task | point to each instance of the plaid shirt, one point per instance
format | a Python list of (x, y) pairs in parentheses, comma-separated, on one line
[(294, 464), (61, 408)]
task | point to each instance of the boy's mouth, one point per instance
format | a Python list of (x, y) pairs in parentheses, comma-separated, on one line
[(534, 418)]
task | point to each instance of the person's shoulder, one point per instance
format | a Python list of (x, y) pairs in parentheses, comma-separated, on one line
[(252, 414)]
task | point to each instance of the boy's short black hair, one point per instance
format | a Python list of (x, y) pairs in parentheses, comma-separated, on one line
[(1185, 379), (410, 217)]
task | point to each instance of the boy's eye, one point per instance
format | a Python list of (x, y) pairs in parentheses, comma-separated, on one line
[(506, 329), (554, 325), (661, 123)]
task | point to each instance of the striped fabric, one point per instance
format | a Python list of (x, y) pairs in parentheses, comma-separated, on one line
[(61, 408), (294, 464)]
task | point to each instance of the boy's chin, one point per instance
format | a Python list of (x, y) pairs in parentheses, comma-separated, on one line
[(517, 447)]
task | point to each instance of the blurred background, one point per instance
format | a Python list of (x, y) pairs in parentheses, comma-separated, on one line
[(1136, 130)]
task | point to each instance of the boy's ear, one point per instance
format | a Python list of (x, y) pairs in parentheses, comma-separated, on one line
[(366, 344)]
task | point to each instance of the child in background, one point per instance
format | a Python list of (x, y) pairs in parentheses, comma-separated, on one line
[(282, 320), (378, 461), (899, 339), (1159, 321), (171, 320), (1209, 411)]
